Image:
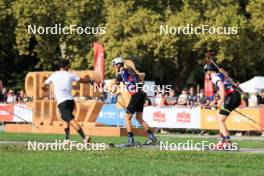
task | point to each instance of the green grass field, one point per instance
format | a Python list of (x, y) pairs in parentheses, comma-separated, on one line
[(17, 160)]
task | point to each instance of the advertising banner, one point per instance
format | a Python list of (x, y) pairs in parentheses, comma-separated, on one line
[(6, 112), (262, 118), (235, 121), (172, 117), (110, 115), (15, 113), (22, 113)]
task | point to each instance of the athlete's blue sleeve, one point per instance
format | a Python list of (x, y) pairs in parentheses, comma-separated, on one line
[(125, 75)]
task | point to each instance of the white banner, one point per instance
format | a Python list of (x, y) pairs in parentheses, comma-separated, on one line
[(22, 113), (172, 117)]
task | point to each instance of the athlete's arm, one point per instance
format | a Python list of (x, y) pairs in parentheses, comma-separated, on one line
[(114, 88), (86, 80), (46, 84), (118, 80), (45, 87)]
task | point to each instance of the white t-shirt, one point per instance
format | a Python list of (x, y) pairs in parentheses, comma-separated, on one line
[(11, 99), (253, 101), (158, 100), (62, 83), (183, 99)]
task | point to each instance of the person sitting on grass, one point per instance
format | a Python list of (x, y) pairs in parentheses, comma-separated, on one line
[(62, 81)]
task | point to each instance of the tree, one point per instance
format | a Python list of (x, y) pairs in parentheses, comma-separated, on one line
[(13, 68), (133, 30), (49, 13)]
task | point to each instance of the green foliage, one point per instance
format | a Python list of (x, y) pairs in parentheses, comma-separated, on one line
[(133, 31), (45, 13)]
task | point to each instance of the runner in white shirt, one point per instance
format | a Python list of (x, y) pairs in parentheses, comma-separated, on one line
[(62, 83)]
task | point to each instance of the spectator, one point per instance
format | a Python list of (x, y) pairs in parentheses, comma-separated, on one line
[(11, 98), (203, 101), (4, 95), (192, 98), (1, 91), (243, 103), (160, 98), (171, 99), (253, 100), (261, 98), (183, 98), (21, 96), (1, 86), (244, 100), (1, 97)]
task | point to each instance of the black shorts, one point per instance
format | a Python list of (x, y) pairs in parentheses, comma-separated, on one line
[(232, 101), (66, 108), (136, 103)]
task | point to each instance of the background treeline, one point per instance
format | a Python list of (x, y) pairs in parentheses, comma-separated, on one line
[(133, 31)]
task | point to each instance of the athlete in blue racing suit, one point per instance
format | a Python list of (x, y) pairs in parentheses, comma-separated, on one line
[(136, 104), (230, 100)]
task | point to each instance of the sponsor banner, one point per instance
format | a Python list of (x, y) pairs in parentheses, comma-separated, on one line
[(6, 112), (22, 113), (15, 113), (172, 117), (235, 121), (110, 115)]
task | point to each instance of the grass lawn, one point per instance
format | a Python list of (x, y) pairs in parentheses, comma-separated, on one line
[(17, 160)]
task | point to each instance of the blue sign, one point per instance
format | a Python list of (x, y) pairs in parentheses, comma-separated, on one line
[(110, 115)]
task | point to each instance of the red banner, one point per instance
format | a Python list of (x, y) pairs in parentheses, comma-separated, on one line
[(6, 113), (208, 87), (99, 59)]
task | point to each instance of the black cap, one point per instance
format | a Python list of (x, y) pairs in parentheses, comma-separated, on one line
[(210, 67)]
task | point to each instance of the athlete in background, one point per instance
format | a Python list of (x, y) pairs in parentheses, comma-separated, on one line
[(136, 104), (230, 99)]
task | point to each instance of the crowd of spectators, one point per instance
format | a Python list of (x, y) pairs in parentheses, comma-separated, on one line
[(189, 98), (184, 98), (11, 97)]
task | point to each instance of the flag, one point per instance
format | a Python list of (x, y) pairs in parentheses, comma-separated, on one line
[(99, 59), (208, 87), (208, 84)]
